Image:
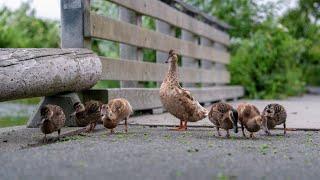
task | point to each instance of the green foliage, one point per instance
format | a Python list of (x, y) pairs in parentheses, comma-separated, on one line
[(272, 56), (21, 29), (34, 100), (12, 121), (303, 23), (267, 64)]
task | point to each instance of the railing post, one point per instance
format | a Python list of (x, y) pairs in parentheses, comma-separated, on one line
[(187, 61), (206, 64), (219, 66), (127, 51)]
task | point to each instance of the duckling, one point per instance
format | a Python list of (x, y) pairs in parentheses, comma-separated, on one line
[(115, 111), (275, 115), (250, 118), (52, 119), (87, 114), (224, 116), (178, 101)]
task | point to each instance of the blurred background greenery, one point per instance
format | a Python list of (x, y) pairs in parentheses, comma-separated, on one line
[(272, 55)]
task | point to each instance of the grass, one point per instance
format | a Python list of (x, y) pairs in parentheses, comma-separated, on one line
[(12, 121), (107, 84), (30, 101), (264, 148)]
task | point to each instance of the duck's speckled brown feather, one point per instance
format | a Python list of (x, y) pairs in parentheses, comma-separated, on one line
[(52, 122), (218, 115)]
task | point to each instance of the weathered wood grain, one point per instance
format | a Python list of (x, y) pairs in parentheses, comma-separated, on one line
[(148, 98), (41, 72), (187, 61), (127, 51), (114, 69), (162, 11), (114, 30)]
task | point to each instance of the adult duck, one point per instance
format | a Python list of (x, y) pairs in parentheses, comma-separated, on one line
[(178, 101)]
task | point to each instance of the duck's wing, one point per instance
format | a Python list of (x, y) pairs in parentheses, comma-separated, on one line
[(92, 107), (190, 105), (59, 117), (185, 93)]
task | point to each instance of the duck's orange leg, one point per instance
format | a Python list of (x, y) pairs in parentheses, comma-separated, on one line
[(181, 127), (185, 125)]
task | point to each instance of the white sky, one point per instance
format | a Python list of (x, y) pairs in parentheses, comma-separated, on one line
[(51, 8)]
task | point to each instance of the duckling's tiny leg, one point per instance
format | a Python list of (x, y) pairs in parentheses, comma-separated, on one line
[(93, 126), (228, 134), (88, 128), (111, 131), (242, 128), (284, 129), (59, 131), (252, 135), (218, 131), (126, 125), (44, 140)]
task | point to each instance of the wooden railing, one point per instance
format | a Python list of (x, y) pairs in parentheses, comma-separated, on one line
[(203, 47)]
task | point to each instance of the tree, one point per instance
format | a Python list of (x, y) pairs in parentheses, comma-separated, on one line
[(21, 29), (303, 22)]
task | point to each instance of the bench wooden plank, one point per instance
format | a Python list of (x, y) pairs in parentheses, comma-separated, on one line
[(114, 30), (148, 98), (162, 11), (115, 69)]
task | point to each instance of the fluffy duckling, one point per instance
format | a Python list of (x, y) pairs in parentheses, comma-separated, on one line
[(178, 101), (115, 111), (87, 114), (224, 116), (52, 119), (250, 118), (275, 115)]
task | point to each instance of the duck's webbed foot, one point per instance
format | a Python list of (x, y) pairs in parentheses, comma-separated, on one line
[(228, 134), (218, 130), (45, 140), (89, 128), (182, 127), (252, 136)]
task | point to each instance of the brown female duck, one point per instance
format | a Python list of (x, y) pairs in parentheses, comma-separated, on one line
[(275, 115), (87, 114), (114, 112), (52, 119), (250, 118), (178, 101), (224, 116)]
